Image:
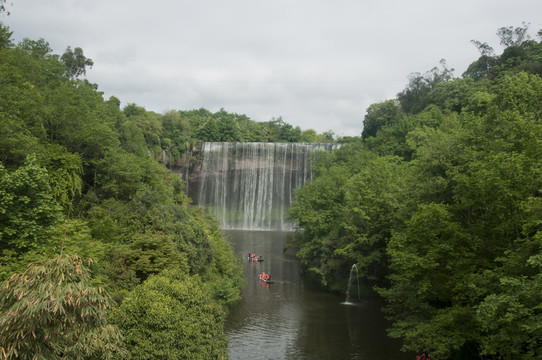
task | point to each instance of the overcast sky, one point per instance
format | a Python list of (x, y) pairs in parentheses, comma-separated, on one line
[(317, 63)]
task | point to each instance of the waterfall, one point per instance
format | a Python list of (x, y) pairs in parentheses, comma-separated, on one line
[(249, 186)]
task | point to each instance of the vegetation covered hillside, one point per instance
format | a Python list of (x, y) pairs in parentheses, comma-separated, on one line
[(121, 266), (439, 205), (174, 133)]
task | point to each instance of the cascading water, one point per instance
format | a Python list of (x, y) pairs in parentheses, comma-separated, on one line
[(350, 281), (249, 186)]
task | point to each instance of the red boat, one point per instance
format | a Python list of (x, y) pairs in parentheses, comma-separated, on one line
[(254, 257), (265, 278)]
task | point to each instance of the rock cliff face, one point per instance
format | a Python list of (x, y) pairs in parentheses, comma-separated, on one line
[(247, 186)]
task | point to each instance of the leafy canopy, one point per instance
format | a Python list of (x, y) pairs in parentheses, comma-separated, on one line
[(51, 312)]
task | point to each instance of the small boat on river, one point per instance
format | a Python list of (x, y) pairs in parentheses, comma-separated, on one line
[(254, 257), (265, 278)]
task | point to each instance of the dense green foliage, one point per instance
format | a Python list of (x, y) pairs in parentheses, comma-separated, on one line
[(172, 301), (439, 205), (51, 312), (175, 132), (76, 179)]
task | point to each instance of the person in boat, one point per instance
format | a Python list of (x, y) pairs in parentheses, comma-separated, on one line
[(265, 276)]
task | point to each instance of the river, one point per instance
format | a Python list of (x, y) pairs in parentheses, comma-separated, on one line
[(289, 320)]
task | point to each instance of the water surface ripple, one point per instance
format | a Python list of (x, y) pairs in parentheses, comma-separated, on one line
[(289, 320)]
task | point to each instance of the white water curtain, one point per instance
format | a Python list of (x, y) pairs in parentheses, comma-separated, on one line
[(249, 186)]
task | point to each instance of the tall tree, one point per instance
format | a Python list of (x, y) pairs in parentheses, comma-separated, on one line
[(76, 62), (511, 36), (5, 36), (379, 115), (414, 98)]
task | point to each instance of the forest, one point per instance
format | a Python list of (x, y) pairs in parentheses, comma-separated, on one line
[(439, 205)]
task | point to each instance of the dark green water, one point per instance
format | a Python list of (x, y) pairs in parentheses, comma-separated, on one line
[(289, 320)]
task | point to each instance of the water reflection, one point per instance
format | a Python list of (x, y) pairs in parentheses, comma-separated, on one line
[(289, 320)]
